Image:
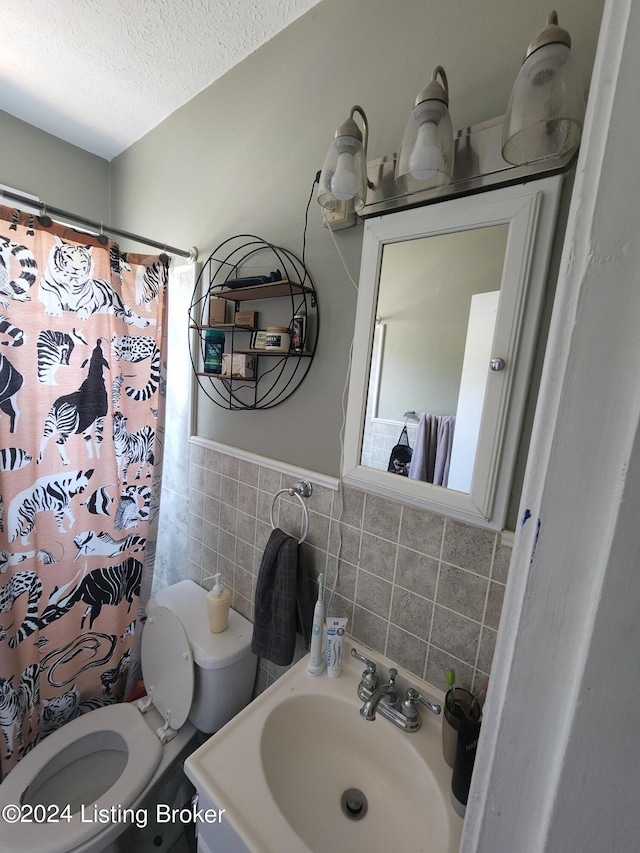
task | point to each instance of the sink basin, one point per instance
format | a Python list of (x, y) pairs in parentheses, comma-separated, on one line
[(280, 770), (314, 748)]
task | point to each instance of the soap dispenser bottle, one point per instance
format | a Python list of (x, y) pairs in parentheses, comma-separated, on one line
[(218, 601)]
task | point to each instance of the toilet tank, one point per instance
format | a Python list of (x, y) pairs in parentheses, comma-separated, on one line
[(225, 666)]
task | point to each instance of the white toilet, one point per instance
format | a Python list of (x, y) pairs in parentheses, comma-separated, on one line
[(130, 756)]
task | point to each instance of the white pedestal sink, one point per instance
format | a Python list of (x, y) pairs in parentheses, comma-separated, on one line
[(280, 769)]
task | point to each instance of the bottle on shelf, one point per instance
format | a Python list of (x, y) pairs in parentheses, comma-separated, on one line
[(299, 329)]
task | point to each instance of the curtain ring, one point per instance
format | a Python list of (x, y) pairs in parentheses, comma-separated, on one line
[(163, 255), (45, 220), (102, 237)]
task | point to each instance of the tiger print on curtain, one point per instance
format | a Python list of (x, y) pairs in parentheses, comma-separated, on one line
[(81, 408)]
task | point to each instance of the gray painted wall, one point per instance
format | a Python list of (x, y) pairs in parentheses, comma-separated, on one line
[(242, 155), (61, 174)]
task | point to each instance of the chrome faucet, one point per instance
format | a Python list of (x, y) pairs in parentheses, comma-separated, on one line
[(405, 713), (368, 710)]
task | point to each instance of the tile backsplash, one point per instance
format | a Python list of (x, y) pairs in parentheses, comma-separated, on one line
[(424, 590), (380, 437)]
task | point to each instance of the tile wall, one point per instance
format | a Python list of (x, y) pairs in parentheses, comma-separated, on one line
[(380, 437), (423, 590)]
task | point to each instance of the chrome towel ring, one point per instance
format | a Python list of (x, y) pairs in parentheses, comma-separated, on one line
[(301, 490)]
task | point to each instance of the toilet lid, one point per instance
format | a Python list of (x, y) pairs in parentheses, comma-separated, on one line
[(167, 665)]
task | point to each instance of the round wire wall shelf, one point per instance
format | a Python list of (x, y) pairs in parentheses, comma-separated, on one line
[(254, 276)]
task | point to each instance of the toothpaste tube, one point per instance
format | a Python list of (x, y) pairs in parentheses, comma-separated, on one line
[(335, 632)]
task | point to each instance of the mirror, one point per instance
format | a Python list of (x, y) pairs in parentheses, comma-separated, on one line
[(444, 290), (435, 318)]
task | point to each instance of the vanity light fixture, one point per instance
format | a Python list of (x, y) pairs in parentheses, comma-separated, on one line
[(426, 152), (546, 109), (344, 173)]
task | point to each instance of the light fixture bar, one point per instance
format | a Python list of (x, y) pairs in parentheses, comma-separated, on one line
[(479, 166)]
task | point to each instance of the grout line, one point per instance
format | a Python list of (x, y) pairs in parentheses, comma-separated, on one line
[(477, 656), (484, 615), (456, 658), (435, 598), (393, 581)]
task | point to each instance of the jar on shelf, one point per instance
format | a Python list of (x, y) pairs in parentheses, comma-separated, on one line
[(278, 339), (213, 349)]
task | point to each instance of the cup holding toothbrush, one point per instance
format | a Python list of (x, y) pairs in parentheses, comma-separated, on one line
[(460, 710)]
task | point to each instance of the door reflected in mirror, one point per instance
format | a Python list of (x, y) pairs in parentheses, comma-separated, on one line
[(436, 311)]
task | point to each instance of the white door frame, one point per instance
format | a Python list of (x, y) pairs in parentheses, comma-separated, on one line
[(557, 767)]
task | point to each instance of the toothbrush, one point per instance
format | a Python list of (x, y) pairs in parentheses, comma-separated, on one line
[(451, 682)]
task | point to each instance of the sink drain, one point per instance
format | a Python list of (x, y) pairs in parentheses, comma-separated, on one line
[(354, 804)]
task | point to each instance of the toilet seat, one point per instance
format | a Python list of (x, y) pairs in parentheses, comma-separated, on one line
[(117, 727), (167, 666), (167, 669)]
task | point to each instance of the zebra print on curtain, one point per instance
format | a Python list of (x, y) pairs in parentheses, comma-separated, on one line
[(81, 406)]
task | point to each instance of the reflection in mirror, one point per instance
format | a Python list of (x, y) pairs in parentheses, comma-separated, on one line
[(448, 292), (435, 318)]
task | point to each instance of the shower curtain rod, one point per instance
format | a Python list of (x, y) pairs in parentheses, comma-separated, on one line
[(191, 255)]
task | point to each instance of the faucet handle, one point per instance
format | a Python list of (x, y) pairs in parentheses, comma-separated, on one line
[(413, 696), (370, 675), (371, 666)]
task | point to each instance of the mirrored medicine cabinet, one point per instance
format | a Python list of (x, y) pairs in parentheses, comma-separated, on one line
[(448, 312)]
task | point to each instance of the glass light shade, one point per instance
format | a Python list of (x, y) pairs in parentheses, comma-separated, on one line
[(426, 152), (344, 174), (546, 109)]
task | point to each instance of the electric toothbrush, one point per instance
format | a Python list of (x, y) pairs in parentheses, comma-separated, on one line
[(317, 657)]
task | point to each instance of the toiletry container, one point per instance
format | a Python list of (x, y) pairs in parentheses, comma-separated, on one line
[(336, 626), (299, 329), (218, 601), (213, 349), (462, 710), (466, 749), (217, 310), (130, 755), (278, 339)]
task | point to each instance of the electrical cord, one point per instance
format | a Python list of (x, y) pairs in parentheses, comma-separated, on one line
[(340, 483), (345, 392), (346, 383), (316, 180), (338, 250)]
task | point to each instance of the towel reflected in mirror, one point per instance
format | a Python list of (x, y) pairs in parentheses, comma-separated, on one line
[(431, 456)]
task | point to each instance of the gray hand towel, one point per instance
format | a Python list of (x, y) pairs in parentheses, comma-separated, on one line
[(283, 601)]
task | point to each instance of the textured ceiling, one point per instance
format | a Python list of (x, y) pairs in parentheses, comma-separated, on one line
[(102, 73)]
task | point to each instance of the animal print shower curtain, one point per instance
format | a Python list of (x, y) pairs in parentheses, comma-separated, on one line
[(81, 406)]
